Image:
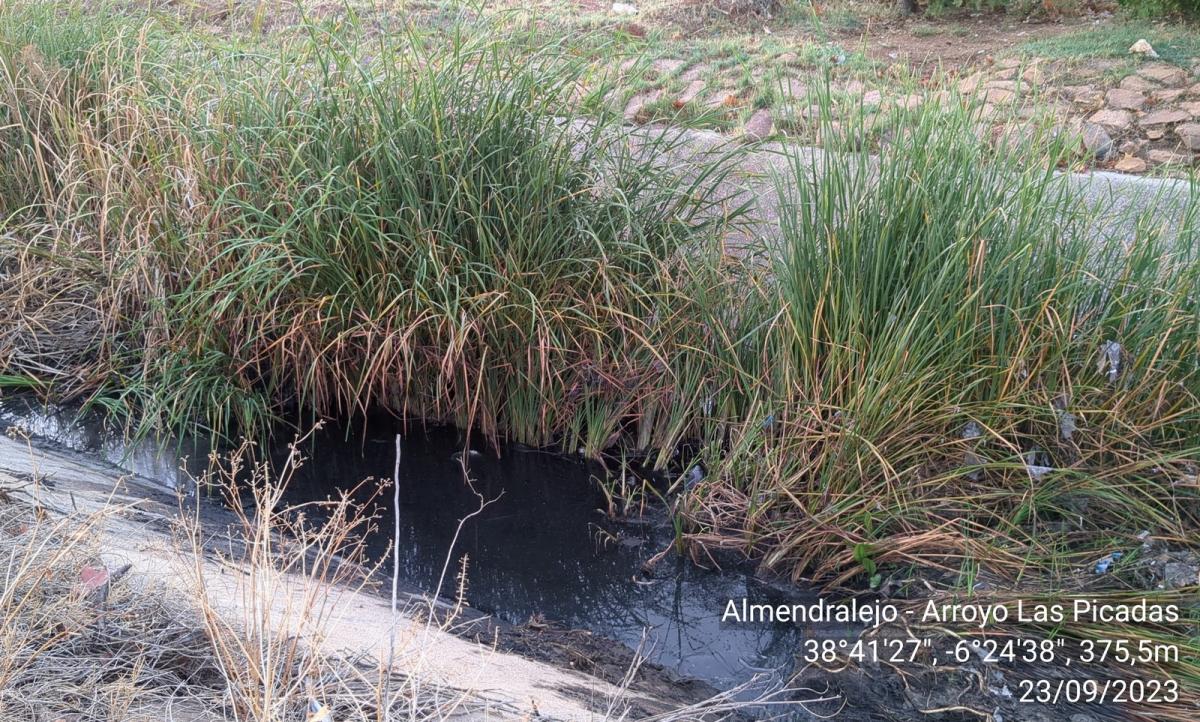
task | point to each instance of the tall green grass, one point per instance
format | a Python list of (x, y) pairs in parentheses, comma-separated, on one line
[(940, 389), (936, 360), (348, 224)]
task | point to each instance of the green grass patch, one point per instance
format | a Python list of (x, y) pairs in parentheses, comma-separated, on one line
[(1178, 44)]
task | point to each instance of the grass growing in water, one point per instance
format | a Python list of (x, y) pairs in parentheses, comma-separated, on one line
[(939, 363), (963, 369)]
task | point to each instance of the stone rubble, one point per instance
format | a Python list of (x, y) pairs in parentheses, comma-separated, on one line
[(1128, 119)]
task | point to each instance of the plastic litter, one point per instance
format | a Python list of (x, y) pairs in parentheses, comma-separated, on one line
[(972, 430), (1036, 470), (1106, 563), (1066, 420), (1066, 425), (1110, 356)]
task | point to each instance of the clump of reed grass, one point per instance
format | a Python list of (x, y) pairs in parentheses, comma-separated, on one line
[(344, 226), (963, 369)]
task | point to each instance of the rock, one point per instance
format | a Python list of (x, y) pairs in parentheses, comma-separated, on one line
[(831, 134), (1112, 120), (1163, 73), (637, 109), (971, 83), (872, 98), (1001, 84), (1091, 99), (624, 9), (998, 96), (1180, 574), (1131, 147), (1165, 116), (854, 87), (634, 29), (1125, 99), (1167, 157), (793, 88), (695, 72), (1033, 75), (759, 126), (1017, 136), (1155, 133), (911, 101), (1143, 48), (690, 93), (666, 66), (1189, 135), (1167, 95), (1192, 108), (1130, 164), (1138, 83), (1097, 141), (724, 99)]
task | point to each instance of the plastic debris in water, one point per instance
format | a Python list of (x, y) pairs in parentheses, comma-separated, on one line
[(768, 422), (970, 431), (1110, 356), (1066, 420), (1104, 564), (1036, 470), (1066, 425), (693, 477), (317, 712)]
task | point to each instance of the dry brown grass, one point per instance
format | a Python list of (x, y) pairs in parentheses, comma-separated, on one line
[(240, 636)]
